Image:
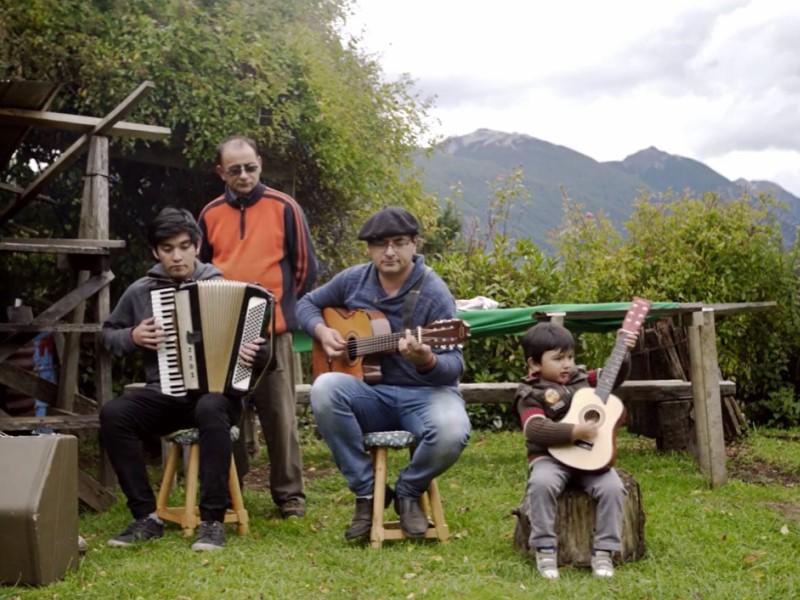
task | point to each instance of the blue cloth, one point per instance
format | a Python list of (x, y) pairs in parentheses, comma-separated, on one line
[(346, 408)]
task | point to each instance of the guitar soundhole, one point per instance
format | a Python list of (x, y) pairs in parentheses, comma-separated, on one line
[(352, 349), (592, 416)]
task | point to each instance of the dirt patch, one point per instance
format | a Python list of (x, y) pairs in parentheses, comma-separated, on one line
[(789, 510), (257, 477), (750, 469)]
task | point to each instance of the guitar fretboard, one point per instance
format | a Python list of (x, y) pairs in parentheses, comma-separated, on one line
[(378, 343), (634, 319)]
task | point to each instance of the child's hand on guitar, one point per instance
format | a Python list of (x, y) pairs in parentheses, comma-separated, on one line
[(417, 352), (631, 337), (584, 431), (331, 340)]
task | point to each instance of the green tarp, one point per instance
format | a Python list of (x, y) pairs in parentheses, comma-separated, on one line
[(515, 321)]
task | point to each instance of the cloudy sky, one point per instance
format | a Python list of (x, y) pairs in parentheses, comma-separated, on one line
[(717, 80)]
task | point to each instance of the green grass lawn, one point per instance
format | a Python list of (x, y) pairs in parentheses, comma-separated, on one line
[(739, 541)]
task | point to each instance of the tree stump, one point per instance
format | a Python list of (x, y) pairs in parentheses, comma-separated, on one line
[(575, 525)]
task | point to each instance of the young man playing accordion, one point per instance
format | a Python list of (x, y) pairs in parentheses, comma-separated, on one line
[(174, 239)]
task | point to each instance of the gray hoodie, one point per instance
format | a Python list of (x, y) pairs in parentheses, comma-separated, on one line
[(134, 306)]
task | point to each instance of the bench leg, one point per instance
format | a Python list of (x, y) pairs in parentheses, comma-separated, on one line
[(376, 535)]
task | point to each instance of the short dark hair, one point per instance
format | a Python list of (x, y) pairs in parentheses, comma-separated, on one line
[(546, 336), (239, 139), (170, 222)]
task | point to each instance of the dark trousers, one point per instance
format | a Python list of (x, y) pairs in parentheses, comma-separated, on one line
[(126, 420)]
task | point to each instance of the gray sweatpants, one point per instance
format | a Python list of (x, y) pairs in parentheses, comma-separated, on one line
[(548, 478)]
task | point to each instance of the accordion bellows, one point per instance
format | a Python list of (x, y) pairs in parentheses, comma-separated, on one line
[(206, 323)]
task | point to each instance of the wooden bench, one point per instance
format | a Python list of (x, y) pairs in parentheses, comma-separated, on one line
[(659, 409)]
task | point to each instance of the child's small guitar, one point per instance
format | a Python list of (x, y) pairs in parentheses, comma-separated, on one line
[(599, 406), (367, 334)]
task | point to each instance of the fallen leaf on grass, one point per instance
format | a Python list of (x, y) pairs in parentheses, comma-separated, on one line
[(409, 575), (785, 530)]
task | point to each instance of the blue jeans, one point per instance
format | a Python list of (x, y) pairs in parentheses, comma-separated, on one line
[(346, 408)]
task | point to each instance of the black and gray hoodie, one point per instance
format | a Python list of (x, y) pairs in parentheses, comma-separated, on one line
[(135, 306)]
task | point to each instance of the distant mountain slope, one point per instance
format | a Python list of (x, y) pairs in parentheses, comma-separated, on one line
[(474, 160)]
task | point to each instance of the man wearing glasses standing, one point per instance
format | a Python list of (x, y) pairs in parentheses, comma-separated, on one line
[(254, 233), (418, 391)]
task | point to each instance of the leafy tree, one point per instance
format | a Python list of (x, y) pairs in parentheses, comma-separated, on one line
[(331, 131)]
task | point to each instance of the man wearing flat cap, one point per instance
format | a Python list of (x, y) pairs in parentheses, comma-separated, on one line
[(418, 390)]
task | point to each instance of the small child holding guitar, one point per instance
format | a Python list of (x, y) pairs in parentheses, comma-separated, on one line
[(542, 400)]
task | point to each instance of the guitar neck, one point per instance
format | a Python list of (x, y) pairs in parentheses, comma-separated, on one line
[(611, 369), (374, 344)]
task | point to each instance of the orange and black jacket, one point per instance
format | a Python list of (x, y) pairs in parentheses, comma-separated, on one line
[(262, 239)]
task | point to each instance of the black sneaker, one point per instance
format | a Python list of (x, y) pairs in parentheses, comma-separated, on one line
[(140, 530), (293, 508), (210, 537)]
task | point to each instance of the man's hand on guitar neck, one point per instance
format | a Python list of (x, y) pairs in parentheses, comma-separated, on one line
[(418, 353), (331, 340)]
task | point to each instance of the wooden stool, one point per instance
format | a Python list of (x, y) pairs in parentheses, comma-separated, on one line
[(188, 515), (378, 443)]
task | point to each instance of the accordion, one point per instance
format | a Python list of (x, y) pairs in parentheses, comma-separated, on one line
[(205, 323)]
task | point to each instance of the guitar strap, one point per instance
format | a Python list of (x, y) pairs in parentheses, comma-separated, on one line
[(411, 299)]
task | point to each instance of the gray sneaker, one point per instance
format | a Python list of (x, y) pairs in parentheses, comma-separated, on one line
[(547, 563), (140, 530), (602, 564), (210, 537)]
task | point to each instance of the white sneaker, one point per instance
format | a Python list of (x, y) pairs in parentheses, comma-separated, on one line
[(547, 563), (602, 564)]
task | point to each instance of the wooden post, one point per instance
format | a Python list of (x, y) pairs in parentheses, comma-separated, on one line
[(93, 225), (705, 389)]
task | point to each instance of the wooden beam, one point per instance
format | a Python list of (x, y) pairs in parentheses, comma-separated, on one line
[(707, 404), (60, 423), (59, 327), (71, 154), (31, 385), (60, 246), (93, 494), (81, 124), (57, 311)]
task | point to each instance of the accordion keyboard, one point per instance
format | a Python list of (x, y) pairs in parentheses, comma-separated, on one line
[(169, 366)]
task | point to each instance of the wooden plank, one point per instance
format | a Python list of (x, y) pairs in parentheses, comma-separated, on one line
[(58, 310), (59, 423), (71, 154), (93, 225), (60, 327), (60, 246), (503, 392), (92, 493), (31, 385), (69, 242), (81, 124), (732, 308), (713, 403)]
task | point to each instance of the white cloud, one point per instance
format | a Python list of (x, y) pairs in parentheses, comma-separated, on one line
[(718, 81)]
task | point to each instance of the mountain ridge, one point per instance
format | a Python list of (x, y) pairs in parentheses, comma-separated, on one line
[(475, 160)]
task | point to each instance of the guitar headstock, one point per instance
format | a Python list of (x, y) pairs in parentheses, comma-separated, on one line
[(448, 332), (634, 318)]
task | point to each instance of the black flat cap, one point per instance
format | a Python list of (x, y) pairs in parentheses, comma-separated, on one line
[(387, 222)]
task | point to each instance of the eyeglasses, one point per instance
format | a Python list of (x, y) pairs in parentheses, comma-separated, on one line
[(397, 244), (236, 170)]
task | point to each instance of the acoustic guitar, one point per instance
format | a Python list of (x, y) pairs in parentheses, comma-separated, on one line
[(368, 335), (598, 405)]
